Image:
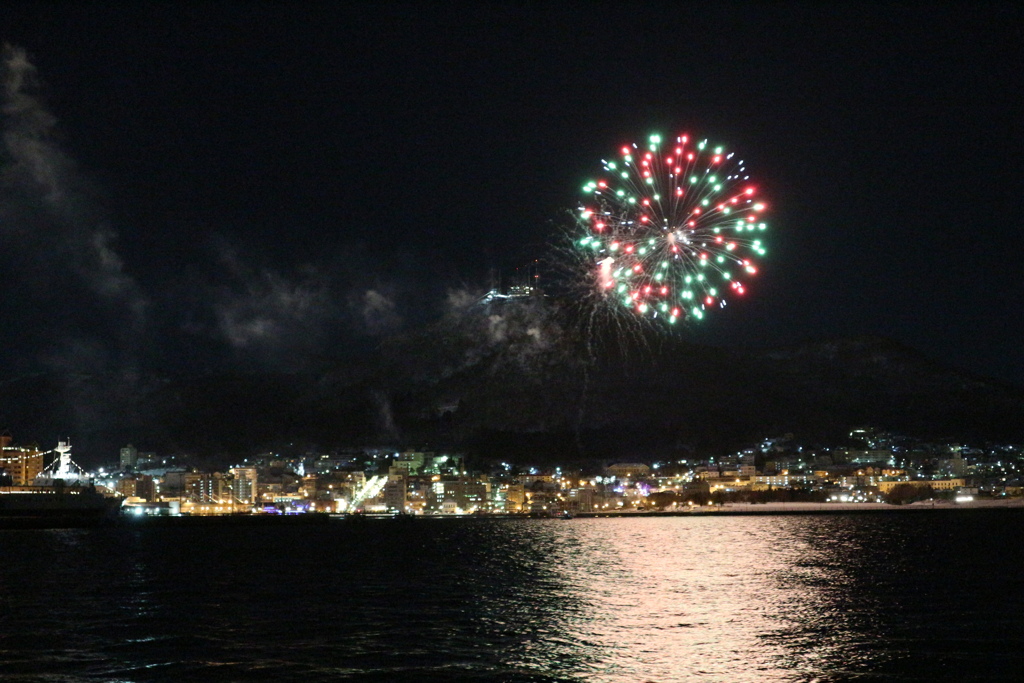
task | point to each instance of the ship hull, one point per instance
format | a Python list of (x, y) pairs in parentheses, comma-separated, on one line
[(53, 507)]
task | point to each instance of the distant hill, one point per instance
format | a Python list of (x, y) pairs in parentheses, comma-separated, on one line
[(515, 379)]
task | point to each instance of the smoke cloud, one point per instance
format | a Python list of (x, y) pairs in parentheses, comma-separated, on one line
[(378, 313), (459, 300), (274, 318), (49, 216), (80, 316)]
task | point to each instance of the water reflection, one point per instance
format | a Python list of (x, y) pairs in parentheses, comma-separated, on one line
[(880, 597), (740, 599)]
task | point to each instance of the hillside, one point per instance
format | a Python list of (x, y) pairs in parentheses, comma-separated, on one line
[(514, 379)]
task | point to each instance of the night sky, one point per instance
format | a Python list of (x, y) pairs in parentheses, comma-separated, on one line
[(190, 189)]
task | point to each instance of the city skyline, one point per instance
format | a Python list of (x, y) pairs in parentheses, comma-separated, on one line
[(874, 469)]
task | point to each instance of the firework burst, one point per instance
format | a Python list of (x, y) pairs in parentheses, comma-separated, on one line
[(671, 230)]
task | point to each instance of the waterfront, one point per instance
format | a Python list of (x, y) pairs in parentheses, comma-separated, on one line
[(752, 598)]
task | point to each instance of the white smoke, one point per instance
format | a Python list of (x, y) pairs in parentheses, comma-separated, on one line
[(263, 310), (385, 416), (378, 312), (460, 299), (41, 185), (497, 329), (28, 126)]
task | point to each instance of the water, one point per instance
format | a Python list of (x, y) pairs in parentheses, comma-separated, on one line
[(896, 596)]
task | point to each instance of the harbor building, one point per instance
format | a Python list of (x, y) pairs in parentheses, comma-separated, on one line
[(22, 465)]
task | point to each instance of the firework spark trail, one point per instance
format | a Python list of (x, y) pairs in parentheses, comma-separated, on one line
[(669, 232), (593, 321)]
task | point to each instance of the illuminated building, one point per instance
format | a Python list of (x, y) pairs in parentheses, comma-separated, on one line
[(537, 481), (510, 498), (628, 470), (541, 502), (411, 461), (206, 488), (129, 458), (244, 485), (785, 481), (730, 483), (467, 496), (310, 488), (441, 464), (140, 486), (172, 484), (23, 465), (395, 490), (935, 484)]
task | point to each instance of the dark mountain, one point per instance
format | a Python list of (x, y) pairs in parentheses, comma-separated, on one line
[(516, 378)]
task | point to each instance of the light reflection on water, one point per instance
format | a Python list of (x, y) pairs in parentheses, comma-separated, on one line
[(773, 598), (710, 599)]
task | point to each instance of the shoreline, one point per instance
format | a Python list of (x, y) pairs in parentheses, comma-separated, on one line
[(817, 508), (325, 519)]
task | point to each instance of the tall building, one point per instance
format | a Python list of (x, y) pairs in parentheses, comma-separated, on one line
[(510, 497), (395, 491), (140, 486), (244, 485), (129, 458), (203, 487)]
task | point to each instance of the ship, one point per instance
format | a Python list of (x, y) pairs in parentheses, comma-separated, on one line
[(62, 495)]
